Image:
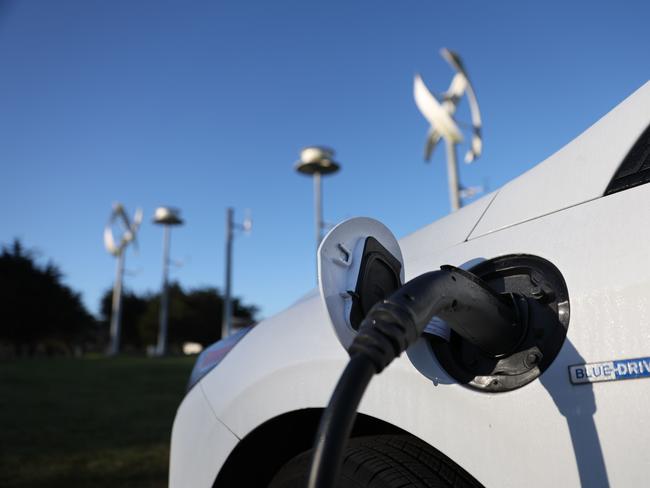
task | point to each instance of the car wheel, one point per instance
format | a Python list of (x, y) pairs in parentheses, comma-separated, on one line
[(386, 461)]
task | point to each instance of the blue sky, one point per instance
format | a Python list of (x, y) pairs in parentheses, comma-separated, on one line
[(204, 105)]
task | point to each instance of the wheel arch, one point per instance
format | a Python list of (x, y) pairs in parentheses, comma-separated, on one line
[(296, 431)]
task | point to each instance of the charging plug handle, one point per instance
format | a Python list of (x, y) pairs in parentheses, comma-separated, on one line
[(489, 320), (470, 307), (463, 300)]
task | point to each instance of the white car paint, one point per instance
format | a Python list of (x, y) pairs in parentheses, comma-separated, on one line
[(206, 442), (548, 433), (577, 173)]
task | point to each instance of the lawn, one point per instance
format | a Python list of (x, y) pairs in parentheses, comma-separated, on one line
[(88, 422)]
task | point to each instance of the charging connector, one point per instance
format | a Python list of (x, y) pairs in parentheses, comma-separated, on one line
[(473, 310)]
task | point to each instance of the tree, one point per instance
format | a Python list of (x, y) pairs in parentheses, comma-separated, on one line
[(194, 316), (36, 306), (203, 316), (133, 307)]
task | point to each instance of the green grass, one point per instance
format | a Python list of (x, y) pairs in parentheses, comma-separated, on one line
[(88, 422)]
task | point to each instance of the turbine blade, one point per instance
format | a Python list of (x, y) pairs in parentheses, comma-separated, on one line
[(456, 90), (137, 218), (432, 140), (475, 149), (436, 115), (456, 63), (121, 213), (109, 242), (454, 60)]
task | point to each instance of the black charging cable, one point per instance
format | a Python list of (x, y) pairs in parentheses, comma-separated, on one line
[(464, 301)]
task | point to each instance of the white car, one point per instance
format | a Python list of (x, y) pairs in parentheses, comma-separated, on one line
[(571, 238)]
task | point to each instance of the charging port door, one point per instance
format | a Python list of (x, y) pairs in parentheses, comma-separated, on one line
[(359, 264)]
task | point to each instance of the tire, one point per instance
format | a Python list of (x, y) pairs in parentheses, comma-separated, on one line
[(386, 461)]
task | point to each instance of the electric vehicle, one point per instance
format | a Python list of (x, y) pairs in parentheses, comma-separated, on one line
[(567, 406)]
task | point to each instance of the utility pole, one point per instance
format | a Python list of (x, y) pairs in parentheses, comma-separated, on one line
[(226, 323), (231, 227)]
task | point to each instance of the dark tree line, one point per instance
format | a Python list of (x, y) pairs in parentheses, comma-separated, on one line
[(37, 308), (194, 316), (42, 314)]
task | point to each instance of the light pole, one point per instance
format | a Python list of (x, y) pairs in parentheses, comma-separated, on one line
[(231, 227), (167, 217), (118, 250), (316, 161)]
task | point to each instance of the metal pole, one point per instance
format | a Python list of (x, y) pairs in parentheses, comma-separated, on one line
[(318, 214), (452, 175), (226, 324), (161, 349), (116, 309), (318, 208)]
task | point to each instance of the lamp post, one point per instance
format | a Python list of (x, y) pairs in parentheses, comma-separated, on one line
[(167, 217), (316, 161), (231, 226)]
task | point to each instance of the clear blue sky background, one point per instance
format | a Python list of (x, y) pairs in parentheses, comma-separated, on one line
[(205, 105)]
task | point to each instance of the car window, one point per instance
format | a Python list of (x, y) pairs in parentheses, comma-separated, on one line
[(635, 168)]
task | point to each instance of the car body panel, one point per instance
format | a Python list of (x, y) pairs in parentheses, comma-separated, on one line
[(577, 173), (444, 233), (287, 362), (201, 443)]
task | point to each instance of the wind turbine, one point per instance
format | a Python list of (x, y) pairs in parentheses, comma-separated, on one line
[(441, 117), (117, 249)]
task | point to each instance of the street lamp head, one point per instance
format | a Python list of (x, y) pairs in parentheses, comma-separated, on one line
[(317, 159), (316, 153), (167, 216)]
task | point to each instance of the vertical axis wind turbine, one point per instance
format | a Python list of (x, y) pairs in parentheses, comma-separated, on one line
[(441, 117), (128, 235)]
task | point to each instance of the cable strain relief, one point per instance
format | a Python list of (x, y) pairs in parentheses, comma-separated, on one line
[(384, 334)]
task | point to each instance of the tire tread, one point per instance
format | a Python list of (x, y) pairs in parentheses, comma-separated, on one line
[(384, 461)]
